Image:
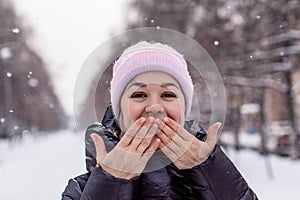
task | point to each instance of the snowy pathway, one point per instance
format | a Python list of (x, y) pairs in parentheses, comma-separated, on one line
[(39, 168)]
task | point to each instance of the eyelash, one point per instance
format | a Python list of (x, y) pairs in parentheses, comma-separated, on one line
[(144, 95), (169, 95), (138, 95)]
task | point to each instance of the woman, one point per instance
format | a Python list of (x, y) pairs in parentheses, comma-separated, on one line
[(144, 147)]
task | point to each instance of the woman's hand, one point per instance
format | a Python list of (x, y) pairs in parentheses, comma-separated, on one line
[(130, 156), (183, 148)]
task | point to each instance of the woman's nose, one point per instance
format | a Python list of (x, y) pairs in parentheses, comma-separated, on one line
[(156, 111)]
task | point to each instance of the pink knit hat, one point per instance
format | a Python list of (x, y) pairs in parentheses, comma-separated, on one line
[(144, 57)]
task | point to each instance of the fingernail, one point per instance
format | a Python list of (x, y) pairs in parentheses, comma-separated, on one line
[(219, 124), (157, 121), (166, 119), (151, 119), (155, 126), (93, 135), (142, 119)]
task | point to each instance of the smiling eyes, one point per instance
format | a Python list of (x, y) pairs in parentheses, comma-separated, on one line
[(168, 95), (138, 95)]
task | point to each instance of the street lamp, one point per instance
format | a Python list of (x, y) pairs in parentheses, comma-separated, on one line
[(5, 56)]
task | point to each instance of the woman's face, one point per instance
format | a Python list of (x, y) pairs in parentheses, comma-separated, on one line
[(154, 94)]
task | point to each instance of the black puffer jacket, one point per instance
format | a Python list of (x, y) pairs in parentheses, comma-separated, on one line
[(216, 178)]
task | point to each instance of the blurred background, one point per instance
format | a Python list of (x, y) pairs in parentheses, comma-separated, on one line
[(43, 44)]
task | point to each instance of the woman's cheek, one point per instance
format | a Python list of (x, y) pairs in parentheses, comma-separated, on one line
[(135, 111), (174, 111)]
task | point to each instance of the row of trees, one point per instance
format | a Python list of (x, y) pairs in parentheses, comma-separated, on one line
[(27, 99), (256, 46)]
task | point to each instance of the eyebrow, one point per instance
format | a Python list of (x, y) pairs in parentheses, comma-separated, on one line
[(163, 85), (169, 84), (137, 84)]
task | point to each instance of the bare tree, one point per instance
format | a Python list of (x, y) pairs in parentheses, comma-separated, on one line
[(27, 98)]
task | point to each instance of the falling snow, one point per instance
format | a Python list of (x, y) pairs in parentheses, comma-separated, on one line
[(25, 134), (2, 120), (216, 43), (33, 82), (29, 74), (5, 53), (15, 30)]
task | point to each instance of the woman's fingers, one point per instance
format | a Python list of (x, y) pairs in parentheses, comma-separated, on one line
[(150, 151), (144, 144), (169, 152), (141, 134), (178, 144), (212, 135), (131, 132), (100, 146), (167, 134), (173, 148), (208, 146), (153, 146), (182, 138), (178, 128)]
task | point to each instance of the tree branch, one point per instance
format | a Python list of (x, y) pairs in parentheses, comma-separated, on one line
[(256, 83)]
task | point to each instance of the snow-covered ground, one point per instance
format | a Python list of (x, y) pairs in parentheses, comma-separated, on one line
[(39, 168), (271, 177)]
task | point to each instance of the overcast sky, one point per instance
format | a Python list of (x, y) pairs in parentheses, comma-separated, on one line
[(66, 32)]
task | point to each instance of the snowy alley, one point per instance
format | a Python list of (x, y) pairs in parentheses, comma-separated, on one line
[(39, 168)]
